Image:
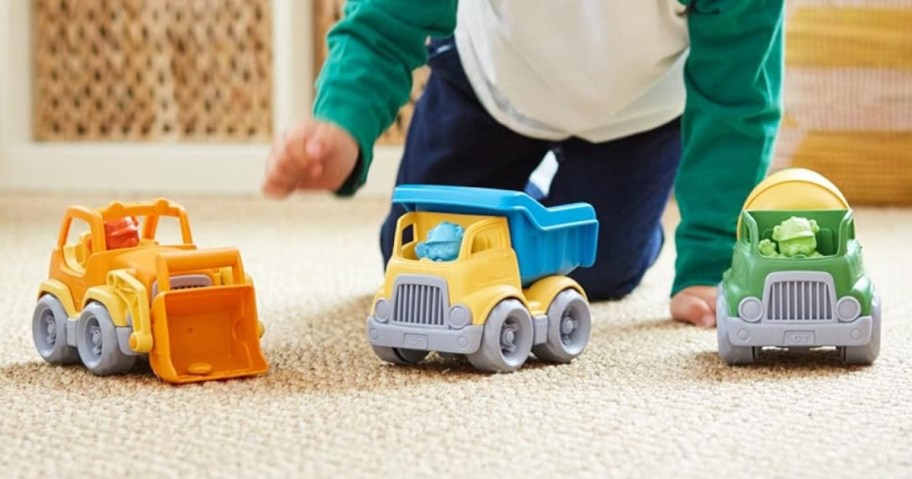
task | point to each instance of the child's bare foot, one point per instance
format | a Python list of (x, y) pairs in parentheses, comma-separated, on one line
[(695, 305)]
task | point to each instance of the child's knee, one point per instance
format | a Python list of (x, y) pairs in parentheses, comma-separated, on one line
[(607, 285), (618, 271)]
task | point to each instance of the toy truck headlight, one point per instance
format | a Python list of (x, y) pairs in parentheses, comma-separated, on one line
[(848, 309), (459, 317), (750, 309), (382, 310)]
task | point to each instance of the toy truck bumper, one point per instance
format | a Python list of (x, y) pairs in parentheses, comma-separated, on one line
[(455, 341), (854, 333)]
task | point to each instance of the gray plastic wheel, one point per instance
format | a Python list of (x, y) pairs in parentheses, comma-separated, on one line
[(96, 340), (49, 332), (400, 356), (865, 355), (507, 339), (731, 354), (569, 327)]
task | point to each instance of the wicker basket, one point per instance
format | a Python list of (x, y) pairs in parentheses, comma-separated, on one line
[(152, 70), (849, 96)]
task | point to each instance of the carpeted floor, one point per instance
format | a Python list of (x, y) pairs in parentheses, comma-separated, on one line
[(649, 398)]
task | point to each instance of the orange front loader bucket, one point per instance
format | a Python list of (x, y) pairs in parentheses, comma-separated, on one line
[(207, 333)]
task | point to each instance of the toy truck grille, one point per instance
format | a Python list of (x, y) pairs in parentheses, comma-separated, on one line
[(800, 297), (419, 303)]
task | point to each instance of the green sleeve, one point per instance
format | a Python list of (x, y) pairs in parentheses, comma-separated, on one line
[(733, 78), (368, 74)]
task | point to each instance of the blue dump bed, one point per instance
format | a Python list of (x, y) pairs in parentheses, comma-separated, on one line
[(546, 240)]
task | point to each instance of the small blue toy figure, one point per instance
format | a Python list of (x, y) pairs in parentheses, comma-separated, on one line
[(442, 243)]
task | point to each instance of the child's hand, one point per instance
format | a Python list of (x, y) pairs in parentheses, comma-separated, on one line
[(696, 305), (312, 155)]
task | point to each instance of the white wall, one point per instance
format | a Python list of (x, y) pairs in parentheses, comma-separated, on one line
[(155, 167)]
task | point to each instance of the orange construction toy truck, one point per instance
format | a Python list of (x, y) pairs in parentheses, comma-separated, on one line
[(115, 294)]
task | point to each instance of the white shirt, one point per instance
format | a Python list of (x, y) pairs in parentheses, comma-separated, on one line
[(594, 69)]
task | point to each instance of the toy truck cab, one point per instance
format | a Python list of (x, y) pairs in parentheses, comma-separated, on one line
[(504, 295), (114, 294), (824, 299)]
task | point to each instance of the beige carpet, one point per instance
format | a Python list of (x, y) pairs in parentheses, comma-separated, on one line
[(649, 398)]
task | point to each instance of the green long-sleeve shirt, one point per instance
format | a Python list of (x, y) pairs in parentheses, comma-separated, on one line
[(733, 78)]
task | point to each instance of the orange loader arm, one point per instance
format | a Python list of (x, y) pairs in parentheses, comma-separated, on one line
[(208, 332)]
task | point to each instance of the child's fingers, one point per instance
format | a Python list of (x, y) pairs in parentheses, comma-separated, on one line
[(275, 185), (316, 150), (316, 147), (309, 155), (281, 171), (296, 140), (315, 172)]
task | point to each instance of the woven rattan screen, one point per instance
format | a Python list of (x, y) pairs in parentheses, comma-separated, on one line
[(327, 13), (150, 70)]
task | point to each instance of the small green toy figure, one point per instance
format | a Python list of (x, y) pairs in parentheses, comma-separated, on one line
[(442, 243), (795, 239)]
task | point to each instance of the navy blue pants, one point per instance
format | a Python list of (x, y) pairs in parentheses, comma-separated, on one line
[(452, 140)]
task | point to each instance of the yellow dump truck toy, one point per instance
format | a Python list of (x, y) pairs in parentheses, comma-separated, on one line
[(115, 294), (482, 273)]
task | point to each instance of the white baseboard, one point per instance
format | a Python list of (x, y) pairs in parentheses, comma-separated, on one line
[(384, 168), (154, 168)]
